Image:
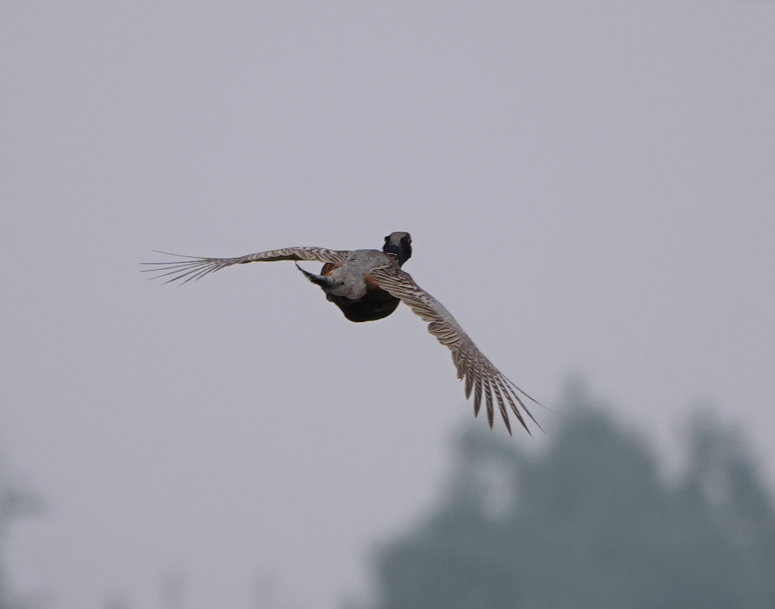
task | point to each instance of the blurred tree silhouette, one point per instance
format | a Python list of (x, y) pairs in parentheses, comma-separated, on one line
[(590, 523), (14, 502)]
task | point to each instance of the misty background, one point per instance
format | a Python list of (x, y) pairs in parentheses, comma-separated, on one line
[(589, 187)]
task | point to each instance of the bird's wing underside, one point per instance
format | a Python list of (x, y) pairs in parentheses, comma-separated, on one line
[(194, 267), (472, 365)]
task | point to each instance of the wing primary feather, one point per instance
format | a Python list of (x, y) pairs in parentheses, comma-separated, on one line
[(178, 273), (196, 272), (488, 399), (502, 405), (509, 393), (190, 273), (524, 406), (201, 272), (193, 269), (477, 396), (527, 395), (176, 255), (518, 391)]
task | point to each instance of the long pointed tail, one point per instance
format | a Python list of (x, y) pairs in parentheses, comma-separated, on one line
[(321, 280)]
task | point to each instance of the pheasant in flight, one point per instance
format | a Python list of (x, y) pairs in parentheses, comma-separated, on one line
[(368, 285)]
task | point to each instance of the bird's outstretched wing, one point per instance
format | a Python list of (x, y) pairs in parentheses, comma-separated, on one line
[(194, 267), (472, 365)]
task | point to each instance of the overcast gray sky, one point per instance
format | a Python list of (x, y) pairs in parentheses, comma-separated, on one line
[(590, 187)]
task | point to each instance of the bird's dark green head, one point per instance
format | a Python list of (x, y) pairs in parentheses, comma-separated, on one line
[(400, 245)]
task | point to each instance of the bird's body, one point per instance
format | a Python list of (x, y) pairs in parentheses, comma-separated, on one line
[(368, 285), (351, 287)]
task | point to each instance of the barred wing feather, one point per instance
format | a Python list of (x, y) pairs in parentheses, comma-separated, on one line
[(194, 267), (479, 373)]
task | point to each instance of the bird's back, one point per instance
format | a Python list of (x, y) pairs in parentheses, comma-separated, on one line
[(353, 289)]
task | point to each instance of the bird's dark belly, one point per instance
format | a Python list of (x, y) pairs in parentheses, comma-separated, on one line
[(376, 304)]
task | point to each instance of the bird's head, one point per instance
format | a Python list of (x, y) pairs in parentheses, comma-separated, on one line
[(399, 245)]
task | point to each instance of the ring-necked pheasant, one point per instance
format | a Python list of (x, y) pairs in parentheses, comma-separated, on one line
[(368, 285)]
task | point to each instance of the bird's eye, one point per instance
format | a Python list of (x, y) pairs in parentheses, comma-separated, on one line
[(408, 238)]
